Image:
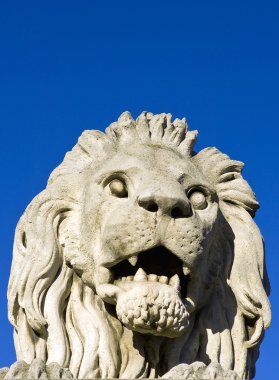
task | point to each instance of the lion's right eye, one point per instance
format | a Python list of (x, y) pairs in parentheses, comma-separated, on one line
[(118, 188), (198, 200)]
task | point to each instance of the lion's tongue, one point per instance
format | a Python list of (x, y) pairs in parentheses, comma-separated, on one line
[(151, 307), (147, 307)]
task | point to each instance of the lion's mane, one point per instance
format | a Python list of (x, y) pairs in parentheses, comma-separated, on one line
[(58, 317)]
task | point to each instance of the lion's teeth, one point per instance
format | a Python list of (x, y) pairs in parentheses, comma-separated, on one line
[(140, 275), (163, 279), (175, 282), (169, 321), (152, 277), (186, 270), (133, 260)]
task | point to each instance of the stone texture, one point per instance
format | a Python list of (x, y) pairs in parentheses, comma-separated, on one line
[(139, 259), (199, 371)]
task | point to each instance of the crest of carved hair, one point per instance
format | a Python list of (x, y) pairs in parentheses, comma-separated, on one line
[(139, 257)]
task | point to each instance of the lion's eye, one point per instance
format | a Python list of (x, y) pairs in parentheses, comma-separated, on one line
[(118, 188), (198, 200)]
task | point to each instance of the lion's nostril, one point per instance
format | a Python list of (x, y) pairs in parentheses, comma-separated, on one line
[(152, 207), (148, 204), (177, 212), (173, 207), (181, 211)]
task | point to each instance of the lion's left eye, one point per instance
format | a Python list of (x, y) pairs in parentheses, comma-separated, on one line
[(198, 200), (118, 188)]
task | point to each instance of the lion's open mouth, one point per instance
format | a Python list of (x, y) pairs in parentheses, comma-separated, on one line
[(157, 264), (149, 290)]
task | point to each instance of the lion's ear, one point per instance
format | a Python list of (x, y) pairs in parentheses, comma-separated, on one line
[(238, 204)]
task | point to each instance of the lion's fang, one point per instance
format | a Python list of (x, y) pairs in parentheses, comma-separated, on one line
[(140, 275), (175, 282), (133, 260), (186, 270)]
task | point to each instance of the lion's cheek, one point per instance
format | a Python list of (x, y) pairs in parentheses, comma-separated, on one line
[(126, 232), (190, 239), (186, 241)]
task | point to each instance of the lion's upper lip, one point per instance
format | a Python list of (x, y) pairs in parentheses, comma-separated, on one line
[(159, 264)]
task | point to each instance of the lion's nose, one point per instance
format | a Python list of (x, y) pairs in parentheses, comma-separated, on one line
[(176, 207)]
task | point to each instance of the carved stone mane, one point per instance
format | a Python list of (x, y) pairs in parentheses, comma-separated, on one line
[(140, 259)]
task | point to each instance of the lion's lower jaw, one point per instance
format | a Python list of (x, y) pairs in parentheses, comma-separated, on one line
[(153, 309)]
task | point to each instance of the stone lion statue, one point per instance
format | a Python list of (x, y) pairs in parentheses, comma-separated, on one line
[(140, 259)]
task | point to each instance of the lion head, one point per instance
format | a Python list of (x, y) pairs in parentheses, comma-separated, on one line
[(139, 255)]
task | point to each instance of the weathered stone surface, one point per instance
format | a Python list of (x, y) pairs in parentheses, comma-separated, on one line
[(138, 257), (37, 369), (199, 371)]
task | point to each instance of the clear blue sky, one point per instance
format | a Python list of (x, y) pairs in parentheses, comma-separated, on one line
[(66, 66)]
